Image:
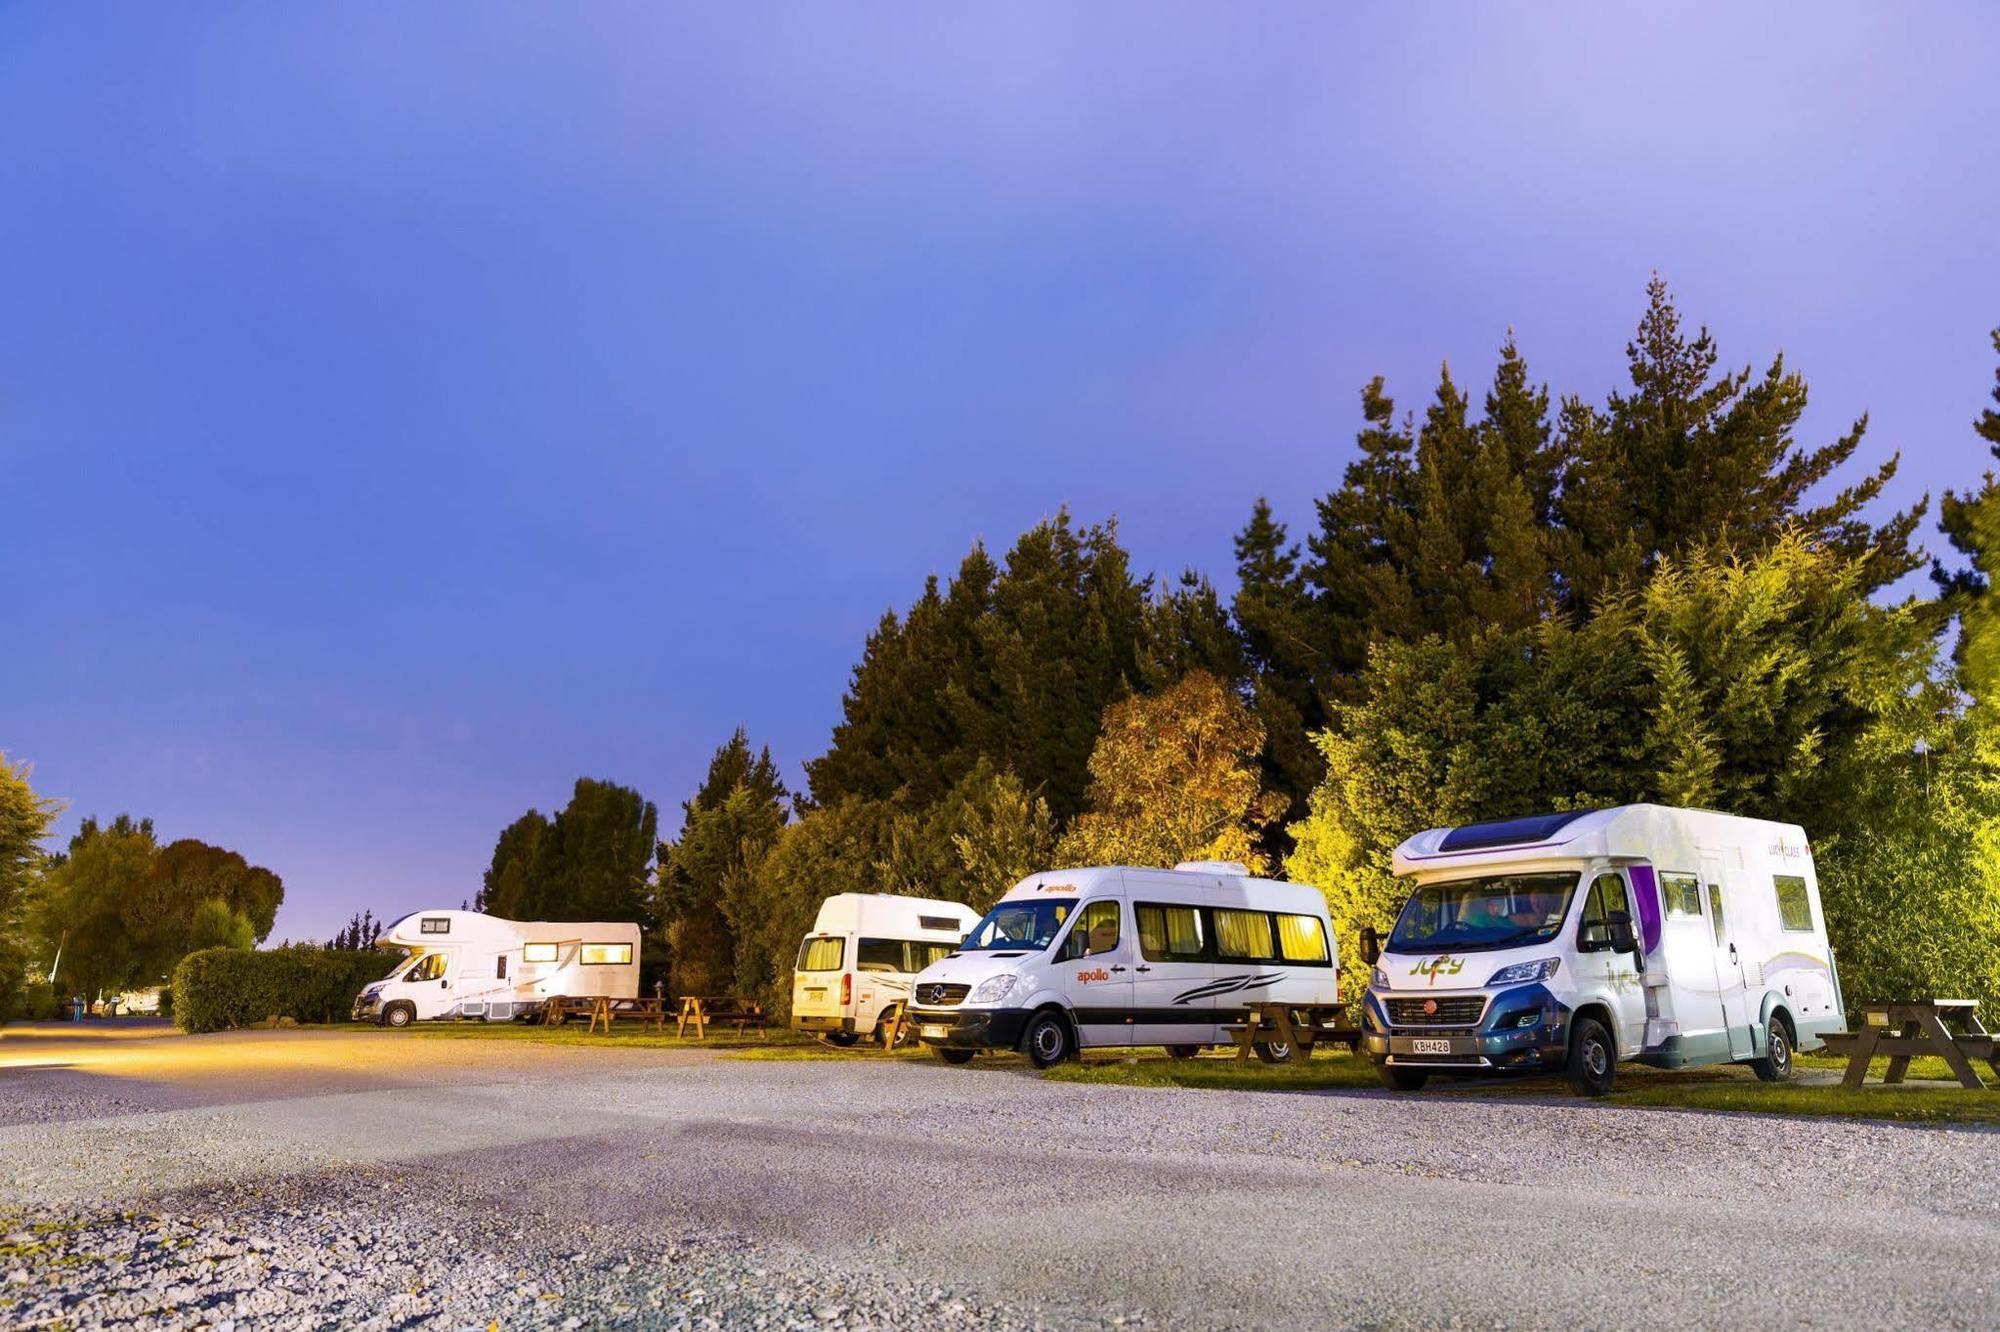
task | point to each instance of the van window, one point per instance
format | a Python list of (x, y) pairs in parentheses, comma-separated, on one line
[(1607, 894), (923, 954), (1095, 932), (1301, 938), (878, 955), (605, 955), (1495, 911), (435, 925), (1715, 911), (500, 967), (1794, 906), (1170, 933), (1682, 895), (937, 923), (538, 952), (822, 954), (430, 967), (1244, 935)]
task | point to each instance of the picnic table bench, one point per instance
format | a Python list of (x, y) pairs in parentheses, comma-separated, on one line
[(700, 1010), (603, 1010), (1919, 1030), (1283, 1033)]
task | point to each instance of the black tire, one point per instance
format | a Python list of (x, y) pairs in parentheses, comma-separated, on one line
[(1047, 1041), (1184, 1051), (1402, 1079), (843, 1039), (1275, 1052), (1776, 1065), (951, 1056), (398, 1015), (1593, 1059)]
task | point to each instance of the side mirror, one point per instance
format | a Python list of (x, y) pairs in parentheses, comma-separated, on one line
[(1371, 945), (1623, 938)]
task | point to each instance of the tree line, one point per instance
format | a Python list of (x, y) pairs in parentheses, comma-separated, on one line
[(1508, 601)]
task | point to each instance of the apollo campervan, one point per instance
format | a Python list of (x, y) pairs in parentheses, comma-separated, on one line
[(856, 966), (468, 964), (1117, 956), (1570, 941)]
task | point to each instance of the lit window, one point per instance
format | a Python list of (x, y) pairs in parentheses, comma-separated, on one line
[(1301, 939), (1243, 935), (1794, 907), (538, 952), (1170, 933), (1682, 893), (605, 955), (822, 954)]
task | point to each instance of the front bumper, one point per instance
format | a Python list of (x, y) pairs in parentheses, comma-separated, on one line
[(970, 1028), (367, 1008), (1523, 1029)]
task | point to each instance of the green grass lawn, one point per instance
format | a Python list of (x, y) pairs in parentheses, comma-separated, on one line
[(1716, 1088), (623, 1035)]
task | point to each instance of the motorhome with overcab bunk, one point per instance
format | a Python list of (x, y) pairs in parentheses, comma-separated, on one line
[(1119, 956), (865, 949), (465, 964), (1567, 942)]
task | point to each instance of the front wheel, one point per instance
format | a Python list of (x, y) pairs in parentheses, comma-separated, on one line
[(398, 1015), (1402, 1079), (1776, 1065), (1046, 1041), (1593, 1059), (951, 1056)]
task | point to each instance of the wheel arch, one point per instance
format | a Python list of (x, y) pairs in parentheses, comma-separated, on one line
[(1054, 1005)]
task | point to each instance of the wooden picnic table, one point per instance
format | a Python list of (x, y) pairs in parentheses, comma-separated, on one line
[(1919, 1030), (699, 1010), (1296, 1028)]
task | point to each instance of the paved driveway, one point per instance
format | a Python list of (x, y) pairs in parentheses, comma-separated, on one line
[(894, 1192)]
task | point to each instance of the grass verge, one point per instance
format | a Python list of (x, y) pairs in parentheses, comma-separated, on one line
[(623, 1035)]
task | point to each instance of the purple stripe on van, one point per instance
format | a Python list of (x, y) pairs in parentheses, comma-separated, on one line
[(1648, 893)]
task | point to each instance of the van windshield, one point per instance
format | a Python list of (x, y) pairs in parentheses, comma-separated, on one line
[(1023, 926), (1497, 911), (396, 968)]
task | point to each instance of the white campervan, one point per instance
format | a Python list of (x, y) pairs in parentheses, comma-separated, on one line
[(1122, 956), (856, 966), (1570, 941), (468, 964)]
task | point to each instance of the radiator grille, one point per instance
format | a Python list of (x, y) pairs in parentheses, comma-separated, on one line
[(1452, 1010), (938, 992)]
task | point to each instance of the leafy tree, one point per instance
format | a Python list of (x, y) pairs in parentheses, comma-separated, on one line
[(168, 912), (81, 910), (704, 887), (25, 818), (506, 890), (1174, 777), (1765, 685), (359, 935)]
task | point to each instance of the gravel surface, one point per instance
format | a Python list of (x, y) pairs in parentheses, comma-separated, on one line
[(379, 1180)]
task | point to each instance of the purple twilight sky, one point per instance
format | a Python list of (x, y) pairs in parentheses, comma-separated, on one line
[(405, 409)]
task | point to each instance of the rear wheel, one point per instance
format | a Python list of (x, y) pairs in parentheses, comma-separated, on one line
[(1274, 1052), (1402, 1079), (951, 1056), (843, 1039), (1046, 1041), (1592, 1058), (398, 1015), (1183, 1051), (1776, 1065)]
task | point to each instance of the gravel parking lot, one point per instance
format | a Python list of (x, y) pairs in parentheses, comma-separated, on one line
[(383, 1180)]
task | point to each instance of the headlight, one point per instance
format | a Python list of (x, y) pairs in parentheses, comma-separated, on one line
[(1379, 979), (991, 990), (1523, 972)]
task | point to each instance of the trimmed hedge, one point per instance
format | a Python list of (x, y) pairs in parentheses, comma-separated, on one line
[(219, 988)]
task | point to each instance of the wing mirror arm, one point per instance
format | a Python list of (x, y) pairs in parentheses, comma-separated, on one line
[(1371, 945), (1624, 939)]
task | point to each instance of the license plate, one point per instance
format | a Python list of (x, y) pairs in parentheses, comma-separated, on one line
[(935, 1031), (1430, 1047)]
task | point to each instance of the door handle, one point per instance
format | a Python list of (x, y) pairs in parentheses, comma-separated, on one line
[(1142, 968), (1118, 968)]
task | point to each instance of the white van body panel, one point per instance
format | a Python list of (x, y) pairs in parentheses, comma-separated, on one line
[(869, 948), (1731, 939), (469, 964), (1163, 976)]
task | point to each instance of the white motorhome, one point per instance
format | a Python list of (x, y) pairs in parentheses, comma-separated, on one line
[(470, 965), (1571, 941), (1118, 956), (864, 950)]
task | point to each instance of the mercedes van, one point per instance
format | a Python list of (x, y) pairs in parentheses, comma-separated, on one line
[(1122, 956)]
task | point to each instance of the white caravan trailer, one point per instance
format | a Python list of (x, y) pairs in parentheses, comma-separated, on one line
[(1116, 955), (1570, 941), (468, 964), (862, 954)]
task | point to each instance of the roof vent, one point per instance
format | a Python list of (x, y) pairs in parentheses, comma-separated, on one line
[(1236, 867), (1510, 832)]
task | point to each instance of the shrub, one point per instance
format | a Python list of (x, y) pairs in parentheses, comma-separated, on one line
[(216, 989)]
